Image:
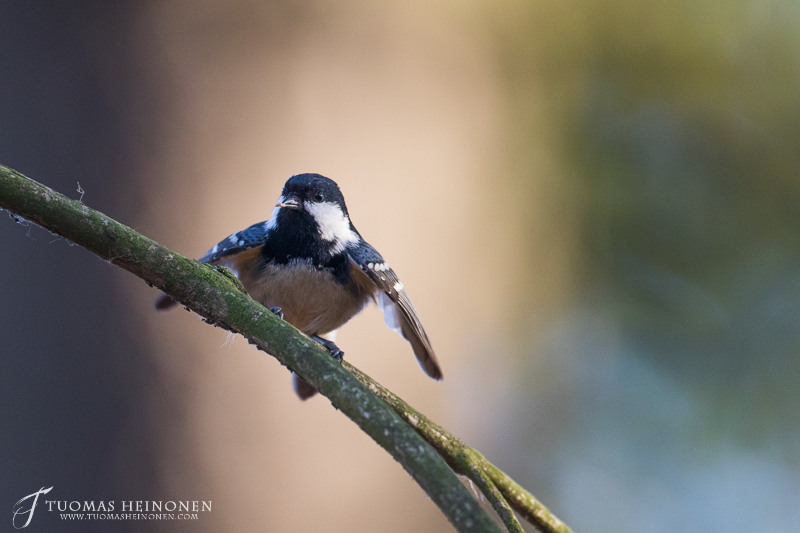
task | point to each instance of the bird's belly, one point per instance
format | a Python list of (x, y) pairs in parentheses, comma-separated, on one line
[(311, 299)]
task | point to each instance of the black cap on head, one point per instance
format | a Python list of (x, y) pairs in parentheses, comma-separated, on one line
[(314, 188)]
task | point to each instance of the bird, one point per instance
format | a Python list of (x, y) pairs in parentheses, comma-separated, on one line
[(310, 266)]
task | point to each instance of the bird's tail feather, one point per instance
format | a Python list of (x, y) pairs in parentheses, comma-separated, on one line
[(164, 303), (303, 388)]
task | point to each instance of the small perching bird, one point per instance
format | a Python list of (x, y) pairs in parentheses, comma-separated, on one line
[(309, 264)]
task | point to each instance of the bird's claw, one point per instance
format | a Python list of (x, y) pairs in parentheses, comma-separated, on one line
[(334, 350), (277, 311), (336, 353)]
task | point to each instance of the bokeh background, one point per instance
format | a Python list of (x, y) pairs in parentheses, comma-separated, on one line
[(593, 204)]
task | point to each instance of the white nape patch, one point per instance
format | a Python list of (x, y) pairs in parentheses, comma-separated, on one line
[(398, 286), (273, 218), (334, 226), (391, 315), (232, 238), (215, 249)]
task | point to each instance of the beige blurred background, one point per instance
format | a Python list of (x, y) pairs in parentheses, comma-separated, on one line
[(403, 107), (593, 205)]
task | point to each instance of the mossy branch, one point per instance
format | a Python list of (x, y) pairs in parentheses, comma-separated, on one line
[(421, 447)]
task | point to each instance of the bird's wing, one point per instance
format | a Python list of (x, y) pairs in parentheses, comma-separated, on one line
[(398, 312), (238, 242)]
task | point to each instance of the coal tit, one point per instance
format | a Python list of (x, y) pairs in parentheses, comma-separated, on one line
[(309, 264)]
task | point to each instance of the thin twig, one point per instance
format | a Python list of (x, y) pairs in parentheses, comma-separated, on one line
[(495, 497), (469, 462)]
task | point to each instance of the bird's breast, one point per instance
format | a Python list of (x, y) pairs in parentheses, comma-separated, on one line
[(312, 299)]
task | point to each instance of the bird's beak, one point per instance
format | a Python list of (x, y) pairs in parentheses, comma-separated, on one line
[(290, 202)]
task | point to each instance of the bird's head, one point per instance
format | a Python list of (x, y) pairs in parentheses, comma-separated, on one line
[(316, 200)]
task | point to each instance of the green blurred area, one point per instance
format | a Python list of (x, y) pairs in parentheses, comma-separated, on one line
[(677, 126)]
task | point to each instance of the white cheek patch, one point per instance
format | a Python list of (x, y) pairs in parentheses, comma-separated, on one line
[(334, 226)]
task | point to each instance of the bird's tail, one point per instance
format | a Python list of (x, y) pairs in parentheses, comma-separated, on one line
[(303, 388), (164, 302)]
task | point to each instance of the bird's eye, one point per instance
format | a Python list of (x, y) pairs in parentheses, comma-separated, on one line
[(318, 197)]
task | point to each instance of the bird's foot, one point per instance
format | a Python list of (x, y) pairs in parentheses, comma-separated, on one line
[(277, 311), (334, 350)]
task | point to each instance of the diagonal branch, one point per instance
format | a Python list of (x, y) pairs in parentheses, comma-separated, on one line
[(217, 296)]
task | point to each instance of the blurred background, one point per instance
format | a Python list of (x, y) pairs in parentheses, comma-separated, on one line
[(593, 204)]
